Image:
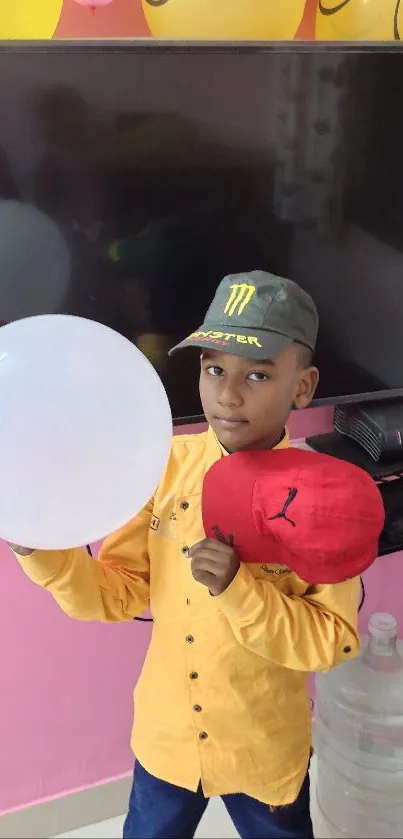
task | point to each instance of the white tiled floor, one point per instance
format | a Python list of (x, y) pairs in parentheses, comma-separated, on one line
[(111, 829)]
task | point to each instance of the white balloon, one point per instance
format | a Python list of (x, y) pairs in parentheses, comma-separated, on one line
[(35, 263), (85, 431)]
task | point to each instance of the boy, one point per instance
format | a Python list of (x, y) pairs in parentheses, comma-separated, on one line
[(222, 706)]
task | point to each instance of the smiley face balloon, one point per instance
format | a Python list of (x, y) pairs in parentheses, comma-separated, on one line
[(29, 19), (233, 20), (358, 20)]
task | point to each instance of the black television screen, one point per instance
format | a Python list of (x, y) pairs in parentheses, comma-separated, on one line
[(167, 167)]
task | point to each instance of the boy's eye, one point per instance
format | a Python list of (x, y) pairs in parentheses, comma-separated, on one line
[(214, 371), (258, 376)]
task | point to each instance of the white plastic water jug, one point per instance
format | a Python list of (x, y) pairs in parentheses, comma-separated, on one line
[(358, 739)]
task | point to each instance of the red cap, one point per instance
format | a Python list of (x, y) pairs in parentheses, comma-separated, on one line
[(319, 516)]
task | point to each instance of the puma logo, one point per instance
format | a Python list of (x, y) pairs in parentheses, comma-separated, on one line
[(292, 493), (219, 535)]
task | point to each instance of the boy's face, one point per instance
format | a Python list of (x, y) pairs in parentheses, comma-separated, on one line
[(247, 403)]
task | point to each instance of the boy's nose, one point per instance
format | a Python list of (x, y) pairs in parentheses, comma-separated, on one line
[(230, 396)]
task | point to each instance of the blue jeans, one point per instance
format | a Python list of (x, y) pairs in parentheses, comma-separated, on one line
[(159, 810)]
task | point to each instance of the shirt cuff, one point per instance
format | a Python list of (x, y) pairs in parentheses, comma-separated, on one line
[(42, 566), (242, 601)]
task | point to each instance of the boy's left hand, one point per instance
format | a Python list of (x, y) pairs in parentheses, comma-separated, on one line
[(214, 565)]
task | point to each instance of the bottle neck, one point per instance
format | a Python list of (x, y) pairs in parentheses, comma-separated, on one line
[(382, 646), (382, 655)]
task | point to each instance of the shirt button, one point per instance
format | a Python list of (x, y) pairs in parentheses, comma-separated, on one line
[(189, 639), (184, 505), (203, 735), (193, 676), (197, 708)]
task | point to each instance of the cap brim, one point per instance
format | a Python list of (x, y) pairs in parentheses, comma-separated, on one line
[(259, 344)]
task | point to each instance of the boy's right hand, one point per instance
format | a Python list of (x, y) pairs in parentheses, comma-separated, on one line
[(18, 549)]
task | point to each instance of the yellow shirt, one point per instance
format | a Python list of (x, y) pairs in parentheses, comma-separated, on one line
[(222, 696)]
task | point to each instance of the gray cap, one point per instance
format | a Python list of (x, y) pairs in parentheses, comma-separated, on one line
[(256, 315)]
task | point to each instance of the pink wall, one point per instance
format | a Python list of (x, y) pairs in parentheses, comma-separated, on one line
[(66, 687)]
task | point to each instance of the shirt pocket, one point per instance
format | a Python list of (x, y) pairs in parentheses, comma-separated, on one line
[(176, 526)]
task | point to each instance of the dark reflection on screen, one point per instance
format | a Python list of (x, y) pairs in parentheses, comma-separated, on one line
[(163, 171)]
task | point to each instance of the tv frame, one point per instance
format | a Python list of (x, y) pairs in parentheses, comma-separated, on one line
[(150, 45)]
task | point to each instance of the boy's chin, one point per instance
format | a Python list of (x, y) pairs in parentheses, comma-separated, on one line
[(233, 438), (241, 438)]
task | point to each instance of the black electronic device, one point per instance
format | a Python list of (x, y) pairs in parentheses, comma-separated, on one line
[(167, 166), (369, 434), (392, 536), (377, 427)]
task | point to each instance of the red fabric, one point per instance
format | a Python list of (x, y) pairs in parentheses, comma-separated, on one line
[(319, 516)]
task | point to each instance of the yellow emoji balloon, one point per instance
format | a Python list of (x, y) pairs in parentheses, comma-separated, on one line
[(233, 20), (358, 20), (29, 19)]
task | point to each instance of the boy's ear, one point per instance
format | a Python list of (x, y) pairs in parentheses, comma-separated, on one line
[(307, 384)]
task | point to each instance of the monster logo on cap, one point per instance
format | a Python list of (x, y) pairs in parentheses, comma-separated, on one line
[(241, 294), (257, 315)]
